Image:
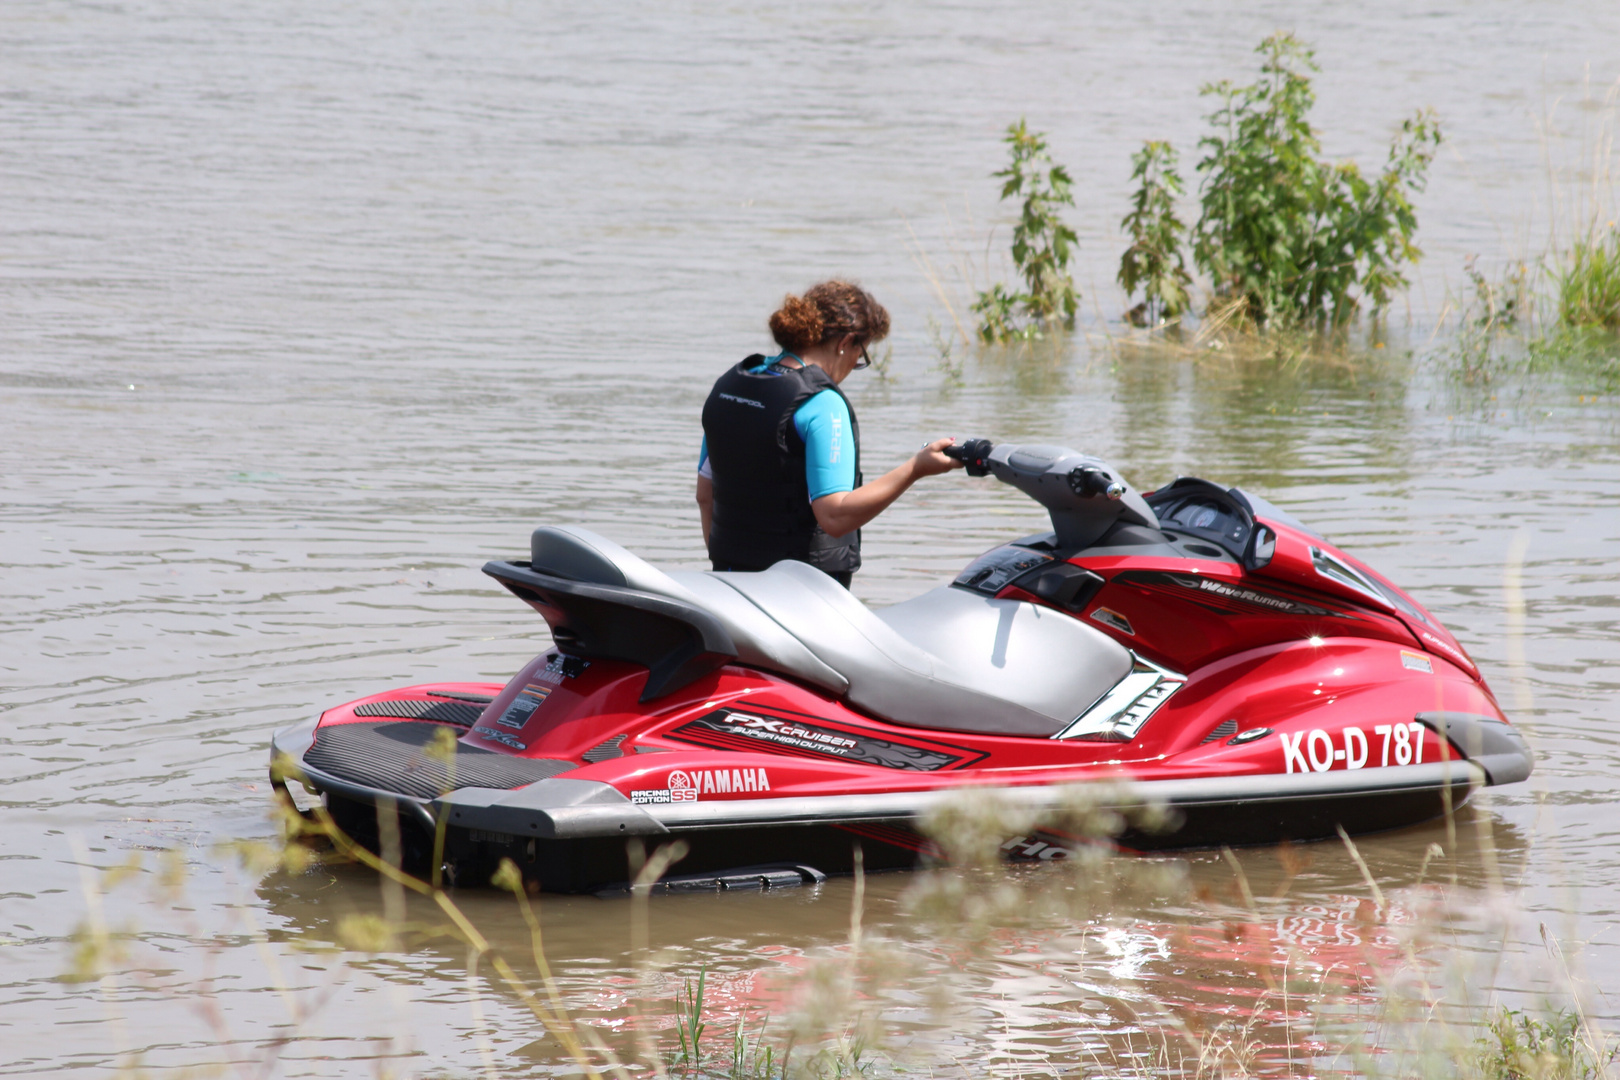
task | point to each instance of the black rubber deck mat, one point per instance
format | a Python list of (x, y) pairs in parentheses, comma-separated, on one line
[(448, 712), (392, 756)]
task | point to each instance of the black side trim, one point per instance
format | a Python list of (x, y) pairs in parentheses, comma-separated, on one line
[(743, 878), (677, 642), (1493, 745)]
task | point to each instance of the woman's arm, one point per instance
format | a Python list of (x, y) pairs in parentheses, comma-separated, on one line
[(705, 501), (845, 511)]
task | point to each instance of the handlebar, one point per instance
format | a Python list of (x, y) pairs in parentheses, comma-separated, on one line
[(975, 453), (1088, 482), (1083, 481)]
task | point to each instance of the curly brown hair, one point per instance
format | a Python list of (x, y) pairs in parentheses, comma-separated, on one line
[(827, 312)]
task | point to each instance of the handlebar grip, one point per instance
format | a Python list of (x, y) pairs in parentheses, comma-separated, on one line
[(975, 453)]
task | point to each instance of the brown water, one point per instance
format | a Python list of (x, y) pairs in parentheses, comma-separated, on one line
[(308, 310)]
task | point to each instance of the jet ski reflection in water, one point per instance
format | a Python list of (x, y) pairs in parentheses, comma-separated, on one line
[(1196, 642)]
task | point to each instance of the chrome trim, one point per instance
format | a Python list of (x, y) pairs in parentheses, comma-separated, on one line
[(907, 806), (1118, 715), (1334, 570), (593, 810), (903, 807)]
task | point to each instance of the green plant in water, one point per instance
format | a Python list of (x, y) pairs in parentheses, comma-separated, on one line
[(946, 363), (1588, 356), (751, 1058), (1154, 261), (1291, 236), (1522, 1047), (1588, 283), (998, 315), (1042, 245), (689, 1023), (1503, 302), (1486, 346)]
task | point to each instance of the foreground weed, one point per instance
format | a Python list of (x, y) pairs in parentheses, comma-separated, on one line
[(1494, 322), (1034, 915), (1522, 1046), (689, 1025), (970, 893), (1485, 354)]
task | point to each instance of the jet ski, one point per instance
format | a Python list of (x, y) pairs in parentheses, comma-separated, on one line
[(1195, 646)]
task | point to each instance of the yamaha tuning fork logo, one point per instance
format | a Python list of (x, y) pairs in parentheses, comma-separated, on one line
[(681, 788)]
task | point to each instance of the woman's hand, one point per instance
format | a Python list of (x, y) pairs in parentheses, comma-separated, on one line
[(931, 459)]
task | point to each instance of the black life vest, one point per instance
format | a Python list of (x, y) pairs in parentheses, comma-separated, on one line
[(762, 509)]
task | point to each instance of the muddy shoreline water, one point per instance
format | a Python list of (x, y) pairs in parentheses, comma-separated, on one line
[(308, 313)]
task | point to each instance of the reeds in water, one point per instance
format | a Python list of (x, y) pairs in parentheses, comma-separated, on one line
[(1201, 966)]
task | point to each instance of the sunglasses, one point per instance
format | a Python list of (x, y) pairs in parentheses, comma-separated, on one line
[(864, 362)]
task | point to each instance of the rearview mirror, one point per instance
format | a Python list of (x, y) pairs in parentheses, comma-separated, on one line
[(1262, 546)]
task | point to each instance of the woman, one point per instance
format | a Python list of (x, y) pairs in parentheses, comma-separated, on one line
[(779, 475)]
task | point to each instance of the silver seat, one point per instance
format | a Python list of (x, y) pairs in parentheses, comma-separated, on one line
[(948, 659)]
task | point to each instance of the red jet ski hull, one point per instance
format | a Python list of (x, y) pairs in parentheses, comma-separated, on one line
[(1267, 700)]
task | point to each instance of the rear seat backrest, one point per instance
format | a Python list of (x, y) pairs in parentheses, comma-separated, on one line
[(581, 555)]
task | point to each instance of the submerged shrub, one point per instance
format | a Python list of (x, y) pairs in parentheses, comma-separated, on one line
[(1285, 235), (1588, 283), (1292, 234), (1042, 245), (1154, 260)]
